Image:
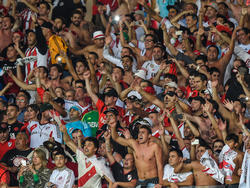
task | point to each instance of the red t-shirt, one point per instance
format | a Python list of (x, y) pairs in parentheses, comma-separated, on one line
[(101, 109), (4, 147)]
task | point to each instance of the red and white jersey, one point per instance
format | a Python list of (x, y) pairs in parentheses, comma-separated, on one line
[(41, 133), (26, 18), (42, 60), (91, 170), (172, 177)]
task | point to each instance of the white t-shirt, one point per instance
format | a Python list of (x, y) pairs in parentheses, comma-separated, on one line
[(62, 178), (41, 133), (151, 68), (170, 176), (91, 170)]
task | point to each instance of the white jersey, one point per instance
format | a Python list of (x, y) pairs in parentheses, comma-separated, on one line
[(62, 178), (91, 170), (41, 133), (42, 60), (170, 176), (151, 68)]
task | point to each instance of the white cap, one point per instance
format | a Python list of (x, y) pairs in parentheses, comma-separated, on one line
[(149, 121), (172, 84), (141, 74), (134, 93), (98, 35), (146, 121)]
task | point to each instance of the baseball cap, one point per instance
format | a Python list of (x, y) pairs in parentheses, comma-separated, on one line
[(141, 74), (111, 93), (112, 110), (47, 25), (213, 5), (45, 106), (139, 12), (77, 108), (146, 121), (98, 35), (135, 94)]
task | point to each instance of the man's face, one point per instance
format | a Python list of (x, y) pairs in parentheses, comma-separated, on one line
[(195, 105), (157, 54), (31, 39), (143, 135), (76, 19), (89, 149), (21, 141), (110, 100), (215, 76), (242, 37), (79, 94), (199, 84), (42, 73), (190, 21), (210, 12), (169, 101), (54, 73), (172, 13), (11, 52), (124, 52), (138, 17), (43, 11), (154, 117), (4, 135), (212, 54), (231, 144), (74, 115), (149, 42), (80, 68), (110, 116), (6, 23), (127, 63), (12, 112), (117, 73), (128, 161), (60, 161), (58, 24), (21, 102), (222, 9), (99, 42), (174, 159), (102, 149), (77, 135), (200, 151), (92, 59), (218, 146), (69, 95)]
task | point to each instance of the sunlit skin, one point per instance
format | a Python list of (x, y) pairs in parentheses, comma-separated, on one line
[(89, 149)]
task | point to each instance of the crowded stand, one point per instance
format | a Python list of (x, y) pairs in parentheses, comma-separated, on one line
[(125, 93)]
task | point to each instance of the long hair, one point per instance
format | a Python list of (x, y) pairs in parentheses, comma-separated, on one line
[(41, 155)]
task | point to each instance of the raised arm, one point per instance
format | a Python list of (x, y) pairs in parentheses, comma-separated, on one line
[(92, 95)]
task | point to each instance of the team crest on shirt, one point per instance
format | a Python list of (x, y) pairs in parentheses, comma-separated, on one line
[(129, 177), (9, 144)]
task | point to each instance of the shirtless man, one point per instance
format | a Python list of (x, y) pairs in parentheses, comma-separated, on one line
[(148, 155), (200, 170), (97, 47), (5, 32), (233, 157)]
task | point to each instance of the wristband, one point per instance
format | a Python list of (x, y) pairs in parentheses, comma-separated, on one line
[(35, 177), (21, 179)]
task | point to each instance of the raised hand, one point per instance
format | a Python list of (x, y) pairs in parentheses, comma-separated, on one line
[(126, 134), (228, 104), (106, 135), (108, 40), (222, 125), (112, 122)]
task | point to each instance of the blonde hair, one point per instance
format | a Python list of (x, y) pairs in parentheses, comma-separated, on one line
[(41, 155)]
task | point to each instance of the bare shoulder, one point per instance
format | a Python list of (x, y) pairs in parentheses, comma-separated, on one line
[(196, 165)]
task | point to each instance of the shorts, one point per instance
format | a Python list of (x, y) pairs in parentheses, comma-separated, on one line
[(148, 183)]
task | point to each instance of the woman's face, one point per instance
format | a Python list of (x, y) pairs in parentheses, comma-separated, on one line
[(31, 113), (36, 160)]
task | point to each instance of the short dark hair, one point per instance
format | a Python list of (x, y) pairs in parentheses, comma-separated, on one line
[(201, 75), (59, 67), (116, 67), (12, 19), (45, 69), (178, 151), (214, 69), (127, 56), (81, 82), (171, 76), (153, 36), (26, 95), (146, 127), (218, 140), (214, 46), (233, 137), (61, 18), (34, 107), (93, 140), (201, 57), (76, 12), (14, 105), (46, 4), (245, 30), (94, 54), (61, 152)]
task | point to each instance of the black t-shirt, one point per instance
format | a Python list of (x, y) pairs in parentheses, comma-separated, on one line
[(13, 158), (117, 171), (14, 129)]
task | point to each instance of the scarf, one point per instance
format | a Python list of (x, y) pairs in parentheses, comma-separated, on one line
[(245, 176), (211, 167), (226, 163)]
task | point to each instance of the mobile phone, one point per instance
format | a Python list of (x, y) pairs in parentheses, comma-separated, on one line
[(23, 162)]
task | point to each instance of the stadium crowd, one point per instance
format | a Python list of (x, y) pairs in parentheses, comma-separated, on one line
[(124, 93)]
